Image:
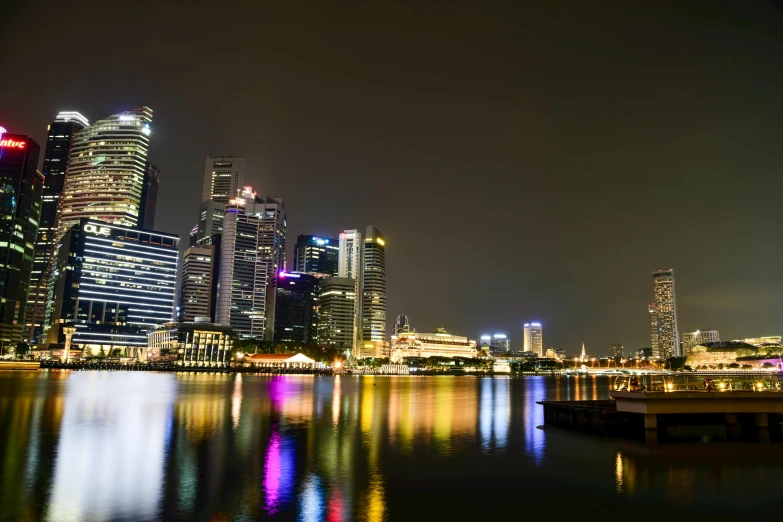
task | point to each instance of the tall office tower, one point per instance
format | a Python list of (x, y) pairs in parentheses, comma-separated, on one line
[(112, 283), (336, 313), (349, 262), (691, 339), (652, 315), (666, 308), (21, 189), (210, 221), (55, 162), (272, 219), (314, 254), (534, 339), (617, 351), (198, 288), (401, 325), (373, 288), (224, 178), (149, 196), (243, 275), (106, 171), (295, 311), (500, 343)]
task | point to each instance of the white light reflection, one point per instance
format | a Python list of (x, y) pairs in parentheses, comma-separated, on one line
[(535, 441), (311, 501), (111, 452), (618, 472), (495, 412), (236, 401)]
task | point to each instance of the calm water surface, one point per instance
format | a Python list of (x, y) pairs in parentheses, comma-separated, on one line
[(148, 446)]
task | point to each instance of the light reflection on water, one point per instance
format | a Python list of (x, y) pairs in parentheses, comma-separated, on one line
[(145, 446)]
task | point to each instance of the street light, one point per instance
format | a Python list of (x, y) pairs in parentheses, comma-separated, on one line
[(592, 362)]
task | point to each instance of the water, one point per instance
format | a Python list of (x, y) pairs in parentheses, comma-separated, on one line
[(149, 446)]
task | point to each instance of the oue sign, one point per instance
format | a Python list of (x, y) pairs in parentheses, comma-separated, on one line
[(95, 229)]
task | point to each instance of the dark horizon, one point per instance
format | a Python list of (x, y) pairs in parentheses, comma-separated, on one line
[(526, 162)]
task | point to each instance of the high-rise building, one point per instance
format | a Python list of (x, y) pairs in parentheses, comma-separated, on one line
[(373, 288), (350, 255), (295, 310), (224, 178), (691, 339), (617, 351), (106, 171), (149, 196), (198, 288), (314, 254), (534, 340), (21, 189), (500, 343), (652, 317), (210, 221), (112, 283), (666, 311), (58, 150), (243, 276), (336, 313), (401, 325)]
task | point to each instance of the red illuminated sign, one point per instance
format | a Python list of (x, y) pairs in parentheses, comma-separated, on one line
[(13, 144)]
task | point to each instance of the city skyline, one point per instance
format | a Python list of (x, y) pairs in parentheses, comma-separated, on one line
[(329, 149)]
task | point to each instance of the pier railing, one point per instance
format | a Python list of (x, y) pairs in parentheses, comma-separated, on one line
[(684, 382)]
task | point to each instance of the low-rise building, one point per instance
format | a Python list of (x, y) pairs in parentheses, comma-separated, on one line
[(199, 343), (438, 343), (281, 360)]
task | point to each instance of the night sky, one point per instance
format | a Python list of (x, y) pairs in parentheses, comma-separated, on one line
[(526, 161)]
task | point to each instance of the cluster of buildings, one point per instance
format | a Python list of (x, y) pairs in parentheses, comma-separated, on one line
[(84, 267)]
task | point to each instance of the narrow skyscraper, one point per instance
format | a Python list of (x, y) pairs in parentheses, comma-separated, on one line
[(20, 211), (373, 308), (55, 162), (197, 291), (533, 339), (106, 171), (652, 317), (666, 309)]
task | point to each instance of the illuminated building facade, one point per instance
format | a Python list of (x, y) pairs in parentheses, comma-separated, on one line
[(534, 339), (295, 311), (21, 189), (314, 254), (652, 318), (373, 287), (336, 312), (224, 178), (617, 351), (666, 313), (55, 162), (210, 222), (439, 343), (198, 288), (500, 343), (691, 339), (106, 171), (401, 325), (196, 343), (112, 283)]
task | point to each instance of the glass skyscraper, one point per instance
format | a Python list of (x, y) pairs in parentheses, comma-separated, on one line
[(107, 170), (314, 254), (295, 310), (58, 149), (373, 288), (666, 313), (21, 188)]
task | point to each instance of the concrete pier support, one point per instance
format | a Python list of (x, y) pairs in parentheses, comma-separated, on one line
[(762, 427), (651, 428)]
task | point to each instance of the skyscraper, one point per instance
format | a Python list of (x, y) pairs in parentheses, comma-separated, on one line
[(373, 288), (534, 341), (106, 171), (666, 309), (55, 162), (224, 178), (350, 255), (652, 317), (617, 351), (295, 310), (500, 343), (243, 276), (336, 312), (112, 282), (149, 196), (314, 254), (198, 288), (21, 189), (401, 325)]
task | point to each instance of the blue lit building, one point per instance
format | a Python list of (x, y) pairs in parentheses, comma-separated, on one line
[(295, 314), (315, 254), (112, 283)]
